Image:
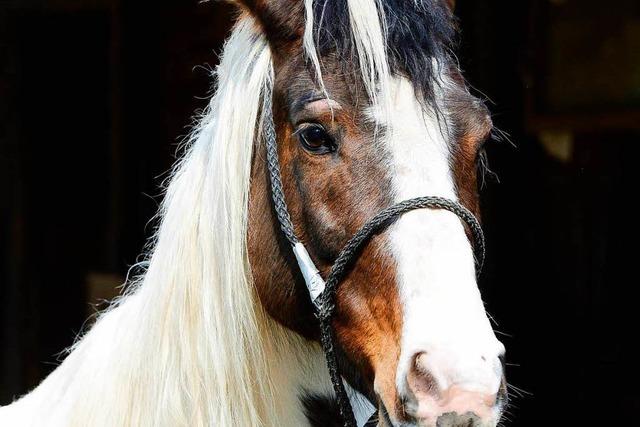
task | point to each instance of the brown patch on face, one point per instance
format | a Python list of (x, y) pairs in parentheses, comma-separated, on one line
[(369, 321), (472, 125)]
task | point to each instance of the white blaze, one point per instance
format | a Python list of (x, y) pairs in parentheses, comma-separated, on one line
[(443, 313)]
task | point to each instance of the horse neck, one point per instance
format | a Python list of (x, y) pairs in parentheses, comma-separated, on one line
[(127, 371)]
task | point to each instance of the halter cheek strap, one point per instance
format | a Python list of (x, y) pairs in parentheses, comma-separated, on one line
[(323, 293)]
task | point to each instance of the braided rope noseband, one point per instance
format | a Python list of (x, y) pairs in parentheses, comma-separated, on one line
[(323, 293)]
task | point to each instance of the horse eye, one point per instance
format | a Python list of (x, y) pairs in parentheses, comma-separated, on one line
[(316, 140)]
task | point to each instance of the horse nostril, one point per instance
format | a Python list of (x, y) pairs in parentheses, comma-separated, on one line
[(452, 419), (420, 380)]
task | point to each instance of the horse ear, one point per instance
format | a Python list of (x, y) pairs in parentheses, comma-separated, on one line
[(281, 20)]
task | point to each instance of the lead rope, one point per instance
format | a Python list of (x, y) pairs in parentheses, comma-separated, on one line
[(323, 293)]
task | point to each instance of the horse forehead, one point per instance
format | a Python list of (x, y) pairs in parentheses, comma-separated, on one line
[(297, 81)]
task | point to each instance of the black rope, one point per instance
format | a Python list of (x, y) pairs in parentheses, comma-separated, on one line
[(273, 165), (351, 250)]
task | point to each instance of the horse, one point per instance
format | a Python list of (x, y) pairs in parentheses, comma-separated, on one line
[(368, 108)]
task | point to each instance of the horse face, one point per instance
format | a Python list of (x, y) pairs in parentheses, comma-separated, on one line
[(409, 318)]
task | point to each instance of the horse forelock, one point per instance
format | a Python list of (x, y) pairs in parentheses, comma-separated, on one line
[(416, 38), (380, 38)]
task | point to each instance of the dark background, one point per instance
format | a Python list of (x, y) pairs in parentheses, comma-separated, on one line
[(96, 94)]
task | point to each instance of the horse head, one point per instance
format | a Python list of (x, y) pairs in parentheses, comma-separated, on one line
[(370, 109)]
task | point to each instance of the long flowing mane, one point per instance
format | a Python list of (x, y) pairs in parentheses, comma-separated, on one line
[(193, 315)]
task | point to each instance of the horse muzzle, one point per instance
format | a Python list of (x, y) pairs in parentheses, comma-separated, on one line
[(459, 408), (426, 396)]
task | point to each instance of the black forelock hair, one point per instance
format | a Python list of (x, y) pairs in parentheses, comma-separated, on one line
[(419, 33)]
